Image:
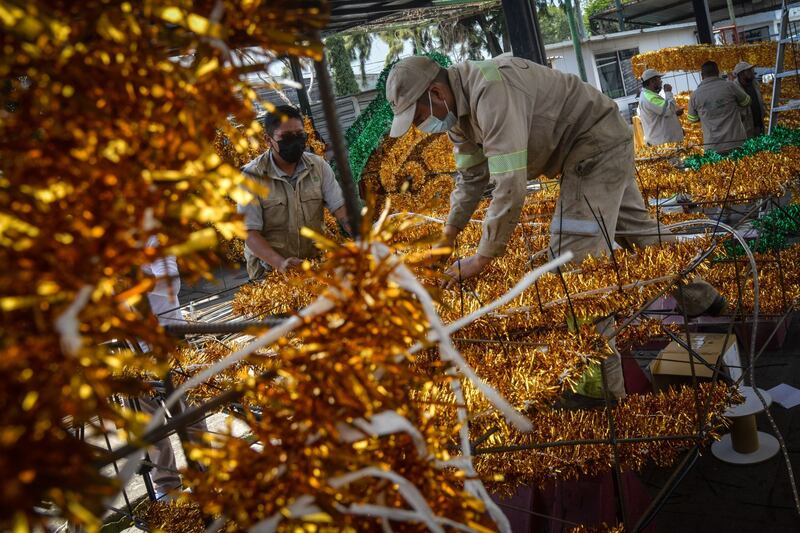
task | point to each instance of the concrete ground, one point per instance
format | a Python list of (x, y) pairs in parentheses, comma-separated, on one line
[(716, 496)]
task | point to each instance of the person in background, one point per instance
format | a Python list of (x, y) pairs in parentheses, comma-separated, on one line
[(659, 115), (299, 185), (716, 104), (752, 115), (164, 304)]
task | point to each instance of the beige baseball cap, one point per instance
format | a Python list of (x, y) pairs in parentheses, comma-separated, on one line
[(407, 81), (650, 74), (741, 66)]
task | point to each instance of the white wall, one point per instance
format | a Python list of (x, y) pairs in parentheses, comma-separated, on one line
[(645, 40)]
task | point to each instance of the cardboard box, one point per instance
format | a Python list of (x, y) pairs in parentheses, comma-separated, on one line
[(672, 368)]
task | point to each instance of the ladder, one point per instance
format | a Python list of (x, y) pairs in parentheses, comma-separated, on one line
[(784, 38)]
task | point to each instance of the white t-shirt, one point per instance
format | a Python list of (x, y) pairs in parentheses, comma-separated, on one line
[(163, 297)]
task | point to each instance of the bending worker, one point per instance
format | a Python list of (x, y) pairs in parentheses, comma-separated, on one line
[(753, 115), (299, 184), (659, 115), (715, 104), (510, 118)]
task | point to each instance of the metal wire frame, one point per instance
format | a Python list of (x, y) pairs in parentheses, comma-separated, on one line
[(691, 456), (674, 479), (194, 414)]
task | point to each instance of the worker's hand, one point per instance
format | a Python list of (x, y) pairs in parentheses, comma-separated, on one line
[(667, 88), (465, 268), (679, 111), (289, 263)]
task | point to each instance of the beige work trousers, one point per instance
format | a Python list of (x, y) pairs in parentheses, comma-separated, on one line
[(599, 195)]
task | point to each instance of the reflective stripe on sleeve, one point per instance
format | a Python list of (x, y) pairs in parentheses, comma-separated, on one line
[(465, 161), (653, 97), (499, 164), (489, 70), (692, 118)]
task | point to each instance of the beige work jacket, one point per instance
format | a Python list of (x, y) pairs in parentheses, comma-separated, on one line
[(519, 120)]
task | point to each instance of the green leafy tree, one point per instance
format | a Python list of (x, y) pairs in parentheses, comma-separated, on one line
[(359, 48), (554, 24), (421, 39), (599, 27), (344, 80)]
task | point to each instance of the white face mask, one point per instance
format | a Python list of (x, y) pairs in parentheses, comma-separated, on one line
[(432, 124)]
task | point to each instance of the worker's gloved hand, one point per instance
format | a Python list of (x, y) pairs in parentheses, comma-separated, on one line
[(289, 263), (667, 88), (679, 111), (465, 268)]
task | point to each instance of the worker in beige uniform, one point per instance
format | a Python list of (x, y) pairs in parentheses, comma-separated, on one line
[(509, 119), (659, 115), (299, 184), (715, 104), (752, 115)]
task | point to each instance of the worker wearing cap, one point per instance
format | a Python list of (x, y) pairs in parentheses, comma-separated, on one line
[(510, 118), (752, 115), (716, 104), (659, 115)]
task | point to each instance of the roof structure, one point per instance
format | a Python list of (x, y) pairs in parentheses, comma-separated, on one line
[(661, 12), (368, 15)]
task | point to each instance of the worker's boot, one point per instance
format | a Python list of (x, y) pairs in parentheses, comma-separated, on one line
[(698, 298)]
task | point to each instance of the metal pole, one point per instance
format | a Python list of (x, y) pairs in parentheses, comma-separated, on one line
[(345, 176), (523, 29), (576, 39), (703, 19), (302, 95)]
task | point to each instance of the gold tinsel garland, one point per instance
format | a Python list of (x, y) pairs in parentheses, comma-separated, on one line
[(671, 413), (778, 279), (689, 58), (348, 364), (757, 176), (106, 141)]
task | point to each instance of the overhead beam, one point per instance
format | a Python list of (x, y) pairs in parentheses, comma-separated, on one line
[(632, 17), (703, 19), (523, 29)]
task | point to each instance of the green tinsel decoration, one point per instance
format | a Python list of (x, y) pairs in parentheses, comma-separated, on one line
[(774, 230), (772, 142), (364, 136)]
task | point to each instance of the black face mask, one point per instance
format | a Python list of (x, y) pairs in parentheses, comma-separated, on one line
[(291, 147)]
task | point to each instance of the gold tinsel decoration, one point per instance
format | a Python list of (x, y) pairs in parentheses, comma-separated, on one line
[(689, 58), (339, 371), (107, 141), (672, 413)]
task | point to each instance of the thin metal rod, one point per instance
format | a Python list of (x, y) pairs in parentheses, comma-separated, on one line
[(184, 419), (582, 442), (345, 175), (220, 328)]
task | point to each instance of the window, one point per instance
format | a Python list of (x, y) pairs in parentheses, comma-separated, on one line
[(754, 35), (616, 73)]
